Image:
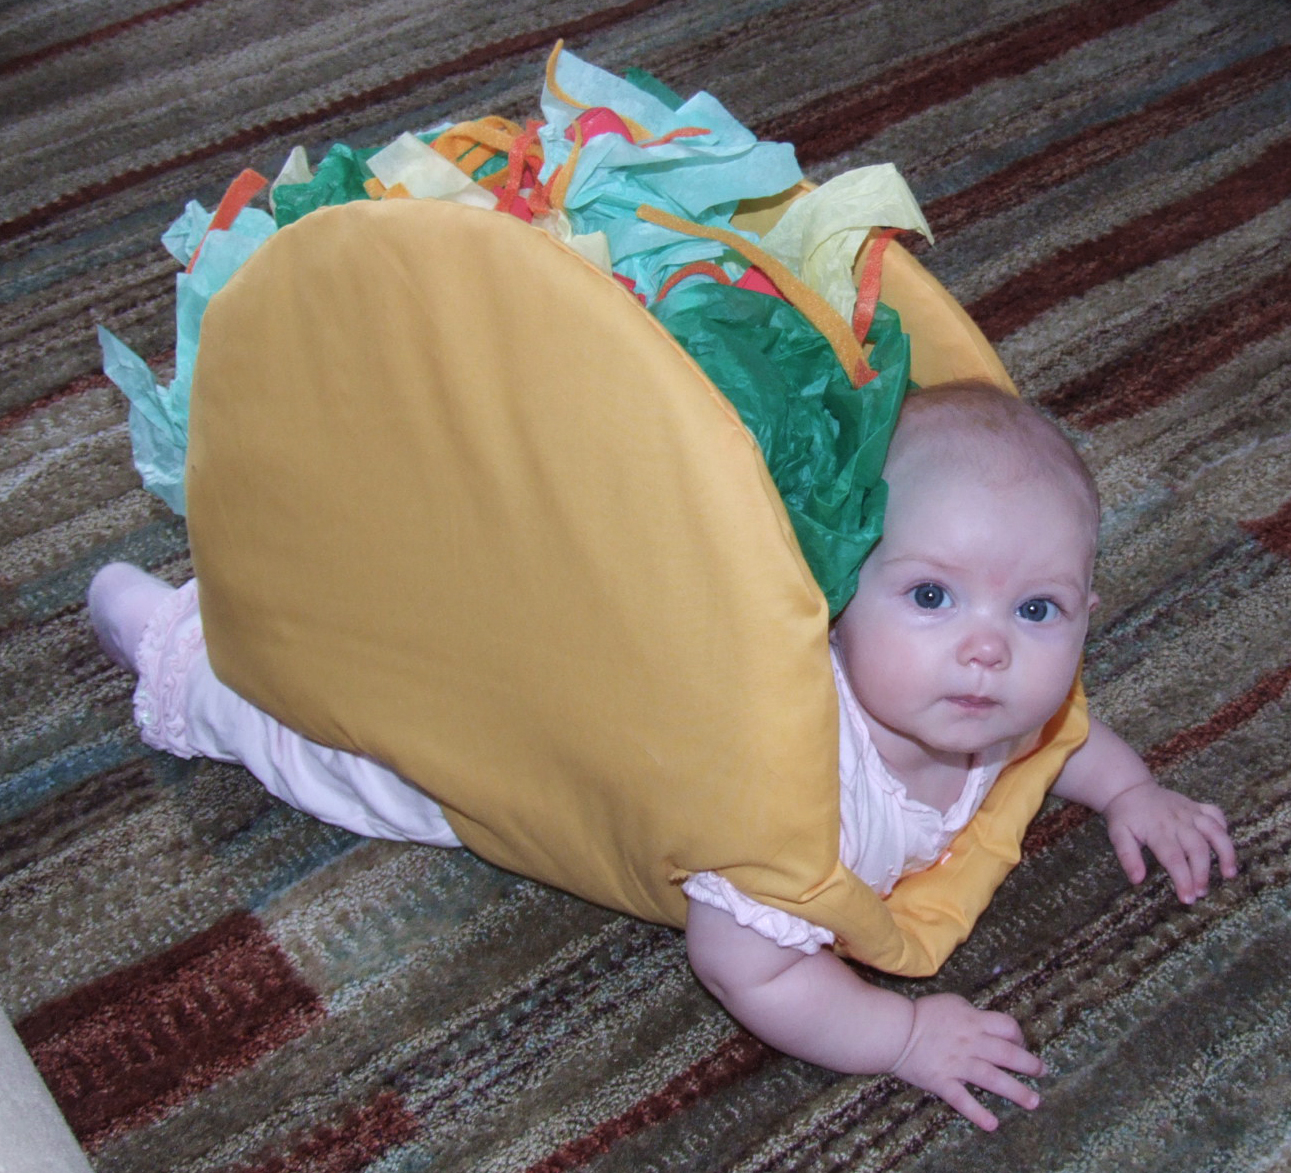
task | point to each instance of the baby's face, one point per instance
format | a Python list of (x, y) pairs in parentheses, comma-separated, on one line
[(969, 618)]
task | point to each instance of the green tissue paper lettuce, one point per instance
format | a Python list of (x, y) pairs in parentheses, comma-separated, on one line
[(338, 180), (824, 441)]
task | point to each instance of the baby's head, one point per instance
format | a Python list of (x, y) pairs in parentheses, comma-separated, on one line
[(969, 617), (994, 438)]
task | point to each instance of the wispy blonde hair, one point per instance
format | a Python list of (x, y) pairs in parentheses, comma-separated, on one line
[(996, 435)]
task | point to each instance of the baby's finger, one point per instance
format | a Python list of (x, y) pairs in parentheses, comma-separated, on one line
[(1002, 1026), (990, 1078), (1180, 866), (1013, 1056), (1214, 813), (1220, 842), (961, 1099), (1201, 850), (1128, 852)]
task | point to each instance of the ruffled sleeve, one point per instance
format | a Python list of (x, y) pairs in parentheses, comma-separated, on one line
[(781, 927)]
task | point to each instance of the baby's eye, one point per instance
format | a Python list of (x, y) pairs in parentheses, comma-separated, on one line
[(1038, 610), (929, 596)]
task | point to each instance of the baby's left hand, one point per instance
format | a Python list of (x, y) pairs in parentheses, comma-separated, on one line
[(1181, 834)]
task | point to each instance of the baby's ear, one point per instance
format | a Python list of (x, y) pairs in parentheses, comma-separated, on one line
[(1094, 600)]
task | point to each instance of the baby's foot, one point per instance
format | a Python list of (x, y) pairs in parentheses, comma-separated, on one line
[(122, 598)]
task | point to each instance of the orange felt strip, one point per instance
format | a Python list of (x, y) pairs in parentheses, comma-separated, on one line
[(239, 193), (680, 132), (564, 175), (694, 269), (555, 90), (637, 131), (517, 158), (867, 291), (837, 332), (494, 133)]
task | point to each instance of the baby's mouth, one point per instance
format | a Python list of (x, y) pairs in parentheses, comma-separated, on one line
[(973, 704)]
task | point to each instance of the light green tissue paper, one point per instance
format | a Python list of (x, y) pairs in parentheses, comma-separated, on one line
[(157, 436), (820, 233), (159, 415), (698, 177)]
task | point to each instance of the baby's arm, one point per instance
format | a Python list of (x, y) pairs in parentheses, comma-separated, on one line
[(1108, 776), (815, 1007)]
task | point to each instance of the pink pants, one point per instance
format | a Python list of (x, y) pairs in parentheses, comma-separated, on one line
[(181, 708)]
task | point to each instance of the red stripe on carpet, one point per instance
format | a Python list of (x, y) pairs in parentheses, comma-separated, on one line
[(1069, 158), (359, 1138), (243, 140), (1055, 825), (95, 36), (1273, 532), (77, 386), (73, 387), (123, 1050), (1049, 828), (839, 121), (736, 1058), (1235, 199), (1188, 742), (1163, 366)]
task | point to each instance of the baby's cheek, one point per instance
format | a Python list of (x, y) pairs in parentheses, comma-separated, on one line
[(1053, 677)]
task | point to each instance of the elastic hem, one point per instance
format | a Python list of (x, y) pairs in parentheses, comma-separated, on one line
[(785, 929), (171, 640)]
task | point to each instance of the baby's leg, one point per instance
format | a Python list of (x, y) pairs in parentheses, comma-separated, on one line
[(150, 628)]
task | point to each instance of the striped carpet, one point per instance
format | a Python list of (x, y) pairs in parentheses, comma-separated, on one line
[(210, 982)]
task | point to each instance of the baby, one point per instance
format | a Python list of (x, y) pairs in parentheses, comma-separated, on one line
[(962, 640)]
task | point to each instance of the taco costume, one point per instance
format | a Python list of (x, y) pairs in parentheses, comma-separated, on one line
[(458, 502)]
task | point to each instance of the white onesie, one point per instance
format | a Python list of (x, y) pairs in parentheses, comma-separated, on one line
[(182, 708)]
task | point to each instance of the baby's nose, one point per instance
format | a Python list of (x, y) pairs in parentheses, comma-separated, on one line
[(985, 647)]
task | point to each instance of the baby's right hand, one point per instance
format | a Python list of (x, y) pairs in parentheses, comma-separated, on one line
[(953, 1044)]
